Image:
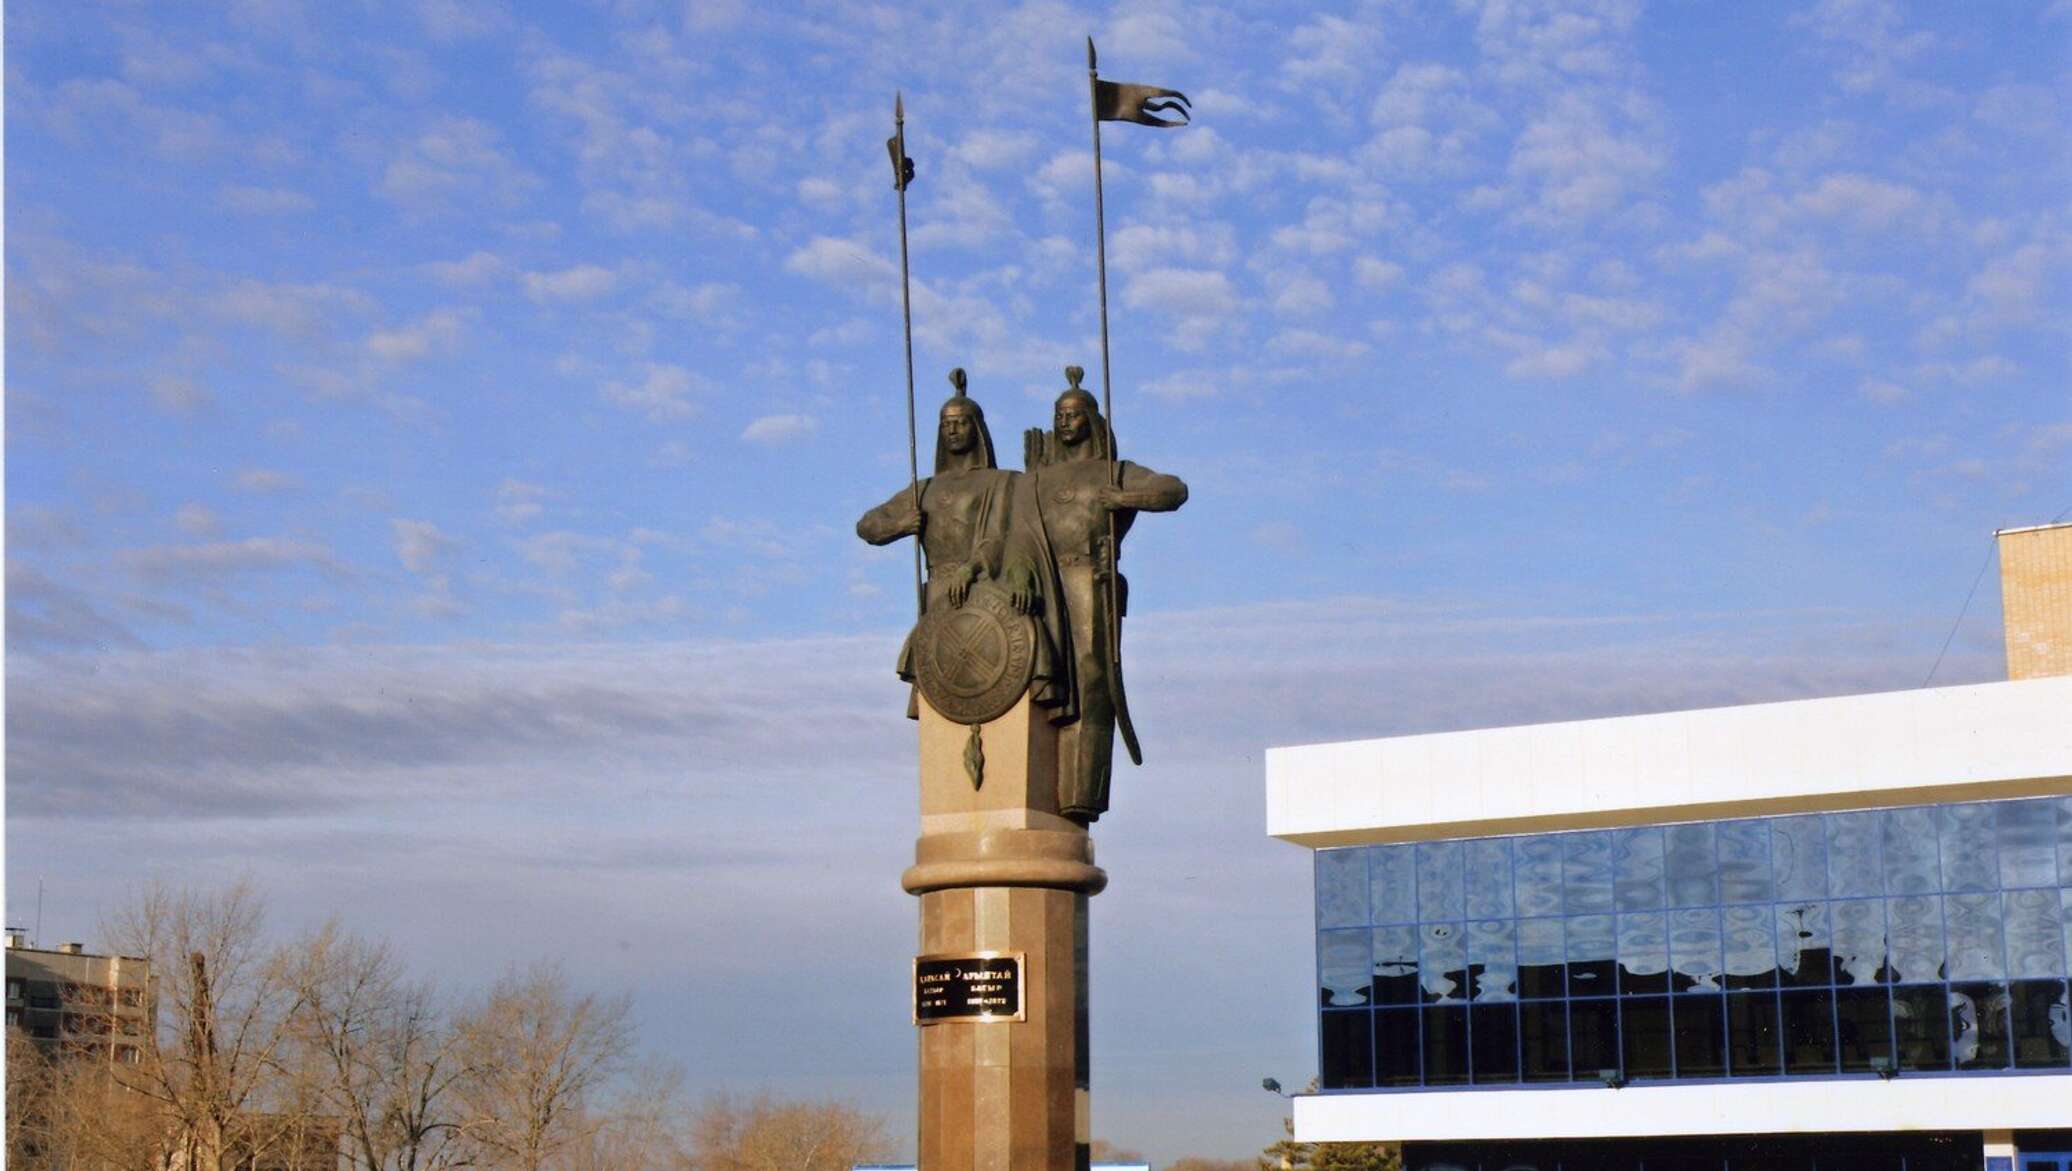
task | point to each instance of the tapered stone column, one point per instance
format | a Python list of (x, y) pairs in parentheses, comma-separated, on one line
[(997, 870)]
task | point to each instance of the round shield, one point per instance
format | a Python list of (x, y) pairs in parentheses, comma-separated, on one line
[(974, 661)]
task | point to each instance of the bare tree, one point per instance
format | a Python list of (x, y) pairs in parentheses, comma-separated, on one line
[(535, 1051), (224, 1003), (638, 1127), (766, 1134), (385, 1061)]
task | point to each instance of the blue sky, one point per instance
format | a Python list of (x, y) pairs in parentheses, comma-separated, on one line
[(434, 430)]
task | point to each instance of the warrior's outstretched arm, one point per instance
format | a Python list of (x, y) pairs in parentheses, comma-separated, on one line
[(891, 520), (1146, 490)]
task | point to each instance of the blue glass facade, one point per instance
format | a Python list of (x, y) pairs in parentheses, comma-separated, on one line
[(1909, 940)]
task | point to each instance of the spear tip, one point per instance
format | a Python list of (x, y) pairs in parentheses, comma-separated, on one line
[(1089, 53), (898, 106)]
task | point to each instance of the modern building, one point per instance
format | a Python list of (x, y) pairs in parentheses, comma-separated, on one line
[(76, 1004), (1816, 934)]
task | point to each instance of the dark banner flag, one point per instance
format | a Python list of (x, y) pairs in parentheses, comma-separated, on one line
[(1122, 101)]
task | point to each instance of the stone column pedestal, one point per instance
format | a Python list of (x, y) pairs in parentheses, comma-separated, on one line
[(998, 870)]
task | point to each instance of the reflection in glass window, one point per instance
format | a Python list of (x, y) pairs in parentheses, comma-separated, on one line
[(1911, 866), (1970, 849), (1930, 938), (2035, 933), (1637, 871), (1439, 879), (1694, 950), (1341, 888), (1493, 958), (1395, 964), (1693, 866), (1587, 873), (1536, 872), (1392, 884), (1489, 879)]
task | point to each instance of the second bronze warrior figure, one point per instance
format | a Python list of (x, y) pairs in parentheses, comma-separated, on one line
[(1072, 489)]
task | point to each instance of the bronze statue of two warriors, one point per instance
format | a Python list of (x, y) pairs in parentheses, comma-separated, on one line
[(1043, 543)]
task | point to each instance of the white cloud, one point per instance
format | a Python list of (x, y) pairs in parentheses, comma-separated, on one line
[(249, 200), (1301, 294), (1184, 292), (179, 394), (518, 502), (1310, 343), (774, 429), (454, 161), (437, 330), (664, 392), (207, 563), (265, 481), (1330, 51), (197, 520), (473, 269), (420, 545), (1882, 392), (1374, 273), (993, 150), (584, 282)]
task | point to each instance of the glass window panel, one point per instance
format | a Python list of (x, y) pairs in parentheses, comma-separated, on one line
[(1540, 959), (1911, 867), (1978, 1026), (1858, 927), (1445, 1045), (2065, 841), (1593, 1036), (1693, 866), (1921, 1027), (1914, 926), (1798, 853), (1701, 1036), (1592, 954), (1343, 967), (1744, 862), (2035, 933), (1587, 872), (1345, 1052), (1863, 1028), (1536, 874), (2028, 843), (1750, 937), (1752, 1035), (1970, 854), (1644, 1037), (1493, 1029), (1341, 888), (1392, 883), (1694, 950), (2042, 1024), (1809, 1031), (1543, 1040), (1439, 893), (1396, 1047), (1802, 943), (1395, 965), (1972, 923), (1443, 961), (1644, 952), (1493, 958), (1489, 878), (1637, 869)]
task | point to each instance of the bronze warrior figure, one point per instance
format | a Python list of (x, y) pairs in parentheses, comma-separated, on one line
[(1071, 490)]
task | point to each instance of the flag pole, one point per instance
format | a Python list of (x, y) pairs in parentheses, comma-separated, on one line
[(1111, 560), (900, 174)]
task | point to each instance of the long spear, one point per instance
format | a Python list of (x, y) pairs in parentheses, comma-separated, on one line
[(903, 174), (1142, 104)]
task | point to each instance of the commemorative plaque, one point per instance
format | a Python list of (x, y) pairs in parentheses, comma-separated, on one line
[(974, 986)]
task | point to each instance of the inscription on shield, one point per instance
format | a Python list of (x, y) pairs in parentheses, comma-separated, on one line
[(974, 661)]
